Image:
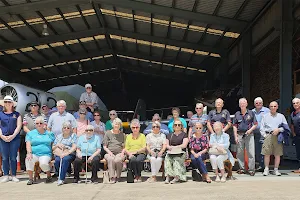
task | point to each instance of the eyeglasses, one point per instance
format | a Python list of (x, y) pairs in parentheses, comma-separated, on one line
[(112, 114), (135, 127), (96, 115), (82, 113), (155, 119), (155, 127), (198, 128), (89, 130), (88, 88), (66, 128), (7, 101), (198, 108), (273, 106), (34, 105), (257, 103), (296, 103), (177, 125), (38, 123)]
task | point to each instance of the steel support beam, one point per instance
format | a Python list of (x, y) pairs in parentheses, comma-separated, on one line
[(285, 65), (77, 56), (133, 5), (246, 64), (223, 72)]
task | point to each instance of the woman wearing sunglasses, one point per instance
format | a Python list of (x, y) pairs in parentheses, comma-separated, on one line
[(176, 116), (156, 146), (88, 148), (135, 147), (65, 145), (98, 125), (82, 122), (199, 144), (174, 161), (39, 149), (112, 115), (10, 126)]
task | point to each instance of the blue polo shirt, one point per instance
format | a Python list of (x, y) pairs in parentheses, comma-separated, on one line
[(56, 121), (223, 117), (244, 122), (91, 145), (296, 122), (41, 143), (8, 122)]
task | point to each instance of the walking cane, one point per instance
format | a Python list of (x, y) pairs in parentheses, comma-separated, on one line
[(60, 166)]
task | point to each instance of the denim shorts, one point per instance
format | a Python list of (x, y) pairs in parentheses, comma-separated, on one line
[(0, 147)]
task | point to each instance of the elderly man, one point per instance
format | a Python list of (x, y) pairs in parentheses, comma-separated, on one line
[(295, 116), (57, 119), (112, 115), (198, 117), (90, 97), (189, 114), (219, 115), (89, 116), (163, 128), (259, 111), (271, 126), (29, 125), (244, 123)]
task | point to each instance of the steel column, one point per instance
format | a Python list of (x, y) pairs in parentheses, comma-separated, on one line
[(246, 64)]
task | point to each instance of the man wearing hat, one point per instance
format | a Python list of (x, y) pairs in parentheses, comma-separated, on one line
[(90, 97), (89, 116), (29, 125)]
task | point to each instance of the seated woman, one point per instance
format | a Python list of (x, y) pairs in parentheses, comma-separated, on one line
[(156, 146), (174, 161), (39, 149), (220, 142), (199, 148), (113, 144), (135, 147), (88, 148), (82, 122), (64, 148)]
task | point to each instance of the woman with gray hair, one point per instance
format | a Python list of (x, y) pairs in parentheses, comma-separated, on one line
[(219, 152), (113, 144), (135, 147), (38, 145), (64, 148), (88, 148), (156, 146)]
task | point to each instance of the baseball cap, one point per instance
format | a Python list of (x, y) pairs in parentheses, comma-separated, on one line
[(35, 103), (88, 85)]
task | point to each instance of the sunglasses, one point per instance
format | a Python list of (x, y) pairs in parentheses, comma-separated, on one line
[(88, 88), (96, 115), (198, 128), (156, 119), (34, 105), (82, 113), (7, 102), (135, 127), (258, 103), (177, 125), (112, 114), (39, 123), (66, 128), (273, 106), (89, 130), (198, 108), (296, 103), (155, 127)]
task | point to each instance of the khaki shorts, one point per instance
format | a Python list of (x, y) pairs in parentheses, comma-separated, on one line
[(271, 146)]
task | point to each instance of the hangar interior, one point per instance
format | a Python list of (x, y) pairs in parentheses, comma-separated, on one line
[(165, 51)]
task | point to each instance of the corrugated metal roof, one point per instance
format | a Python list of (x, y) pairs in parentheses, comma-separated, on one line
[(185, 4), (16, 2), (167, 3), (207, 6), (230, 8)]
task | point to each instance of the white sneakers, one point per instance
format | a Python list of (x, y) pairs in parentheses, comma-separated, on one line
[(9, 178), (217, 179), (60, 182), (223, 179), (266, 172), (276, 172)]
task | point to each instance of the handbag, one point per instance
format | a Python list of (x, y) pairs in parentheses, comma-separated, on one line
[(130, 178), (105, 177), (196, 175), (214, 151)]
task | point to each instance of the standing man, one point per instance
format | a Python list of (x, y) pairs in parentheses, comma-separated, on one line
[(89, 116), (218, 115), (269, 129), (259, 111), (57, 119), (163, 128), (90, 97), (198, 117), (29, 125), (295, 116), (244, 123)]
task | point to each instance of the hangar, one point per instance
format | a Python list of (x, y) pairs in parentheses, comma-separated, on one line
[(163, 50)]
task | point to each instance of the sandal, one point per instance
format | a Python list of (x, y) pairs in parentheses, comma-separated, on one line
[(251, 173), (151, 180), (207, 180), (240, 171)]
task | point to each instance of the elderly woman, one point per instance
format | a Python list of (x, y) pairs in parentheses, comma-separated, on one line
[(176, 113), (98, 125), (10, 126), (113, 144), (64, 148), (135, 147), (82, 122), (39, 149), (112, 115), (199, 148), (174, 161), (156, 146), (219, 152), (88, 148)]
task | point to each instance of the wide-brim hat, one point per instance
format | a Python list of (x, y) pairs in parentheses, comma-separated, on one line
[(8, 98)]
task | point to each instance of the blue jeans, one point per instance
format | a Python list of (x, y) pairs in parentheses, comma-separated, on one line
[(258, 146), (66, 162), (9, 155), (297, 145), (199, 164)]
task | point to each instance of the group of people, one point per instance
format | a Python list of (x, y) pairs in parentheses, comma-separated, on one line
[(82, 137)]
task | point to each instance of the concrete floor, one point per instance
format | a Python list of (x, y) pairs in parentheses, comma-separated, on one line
[(242, 187)]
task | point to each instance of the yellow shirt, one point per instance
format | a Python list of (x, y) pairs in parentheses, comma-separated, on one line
[(135, 144)]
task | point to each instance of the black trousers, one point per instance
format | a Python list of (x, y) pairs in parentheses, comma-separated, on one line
[(78, 166), (136, 163), (23, 151)]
